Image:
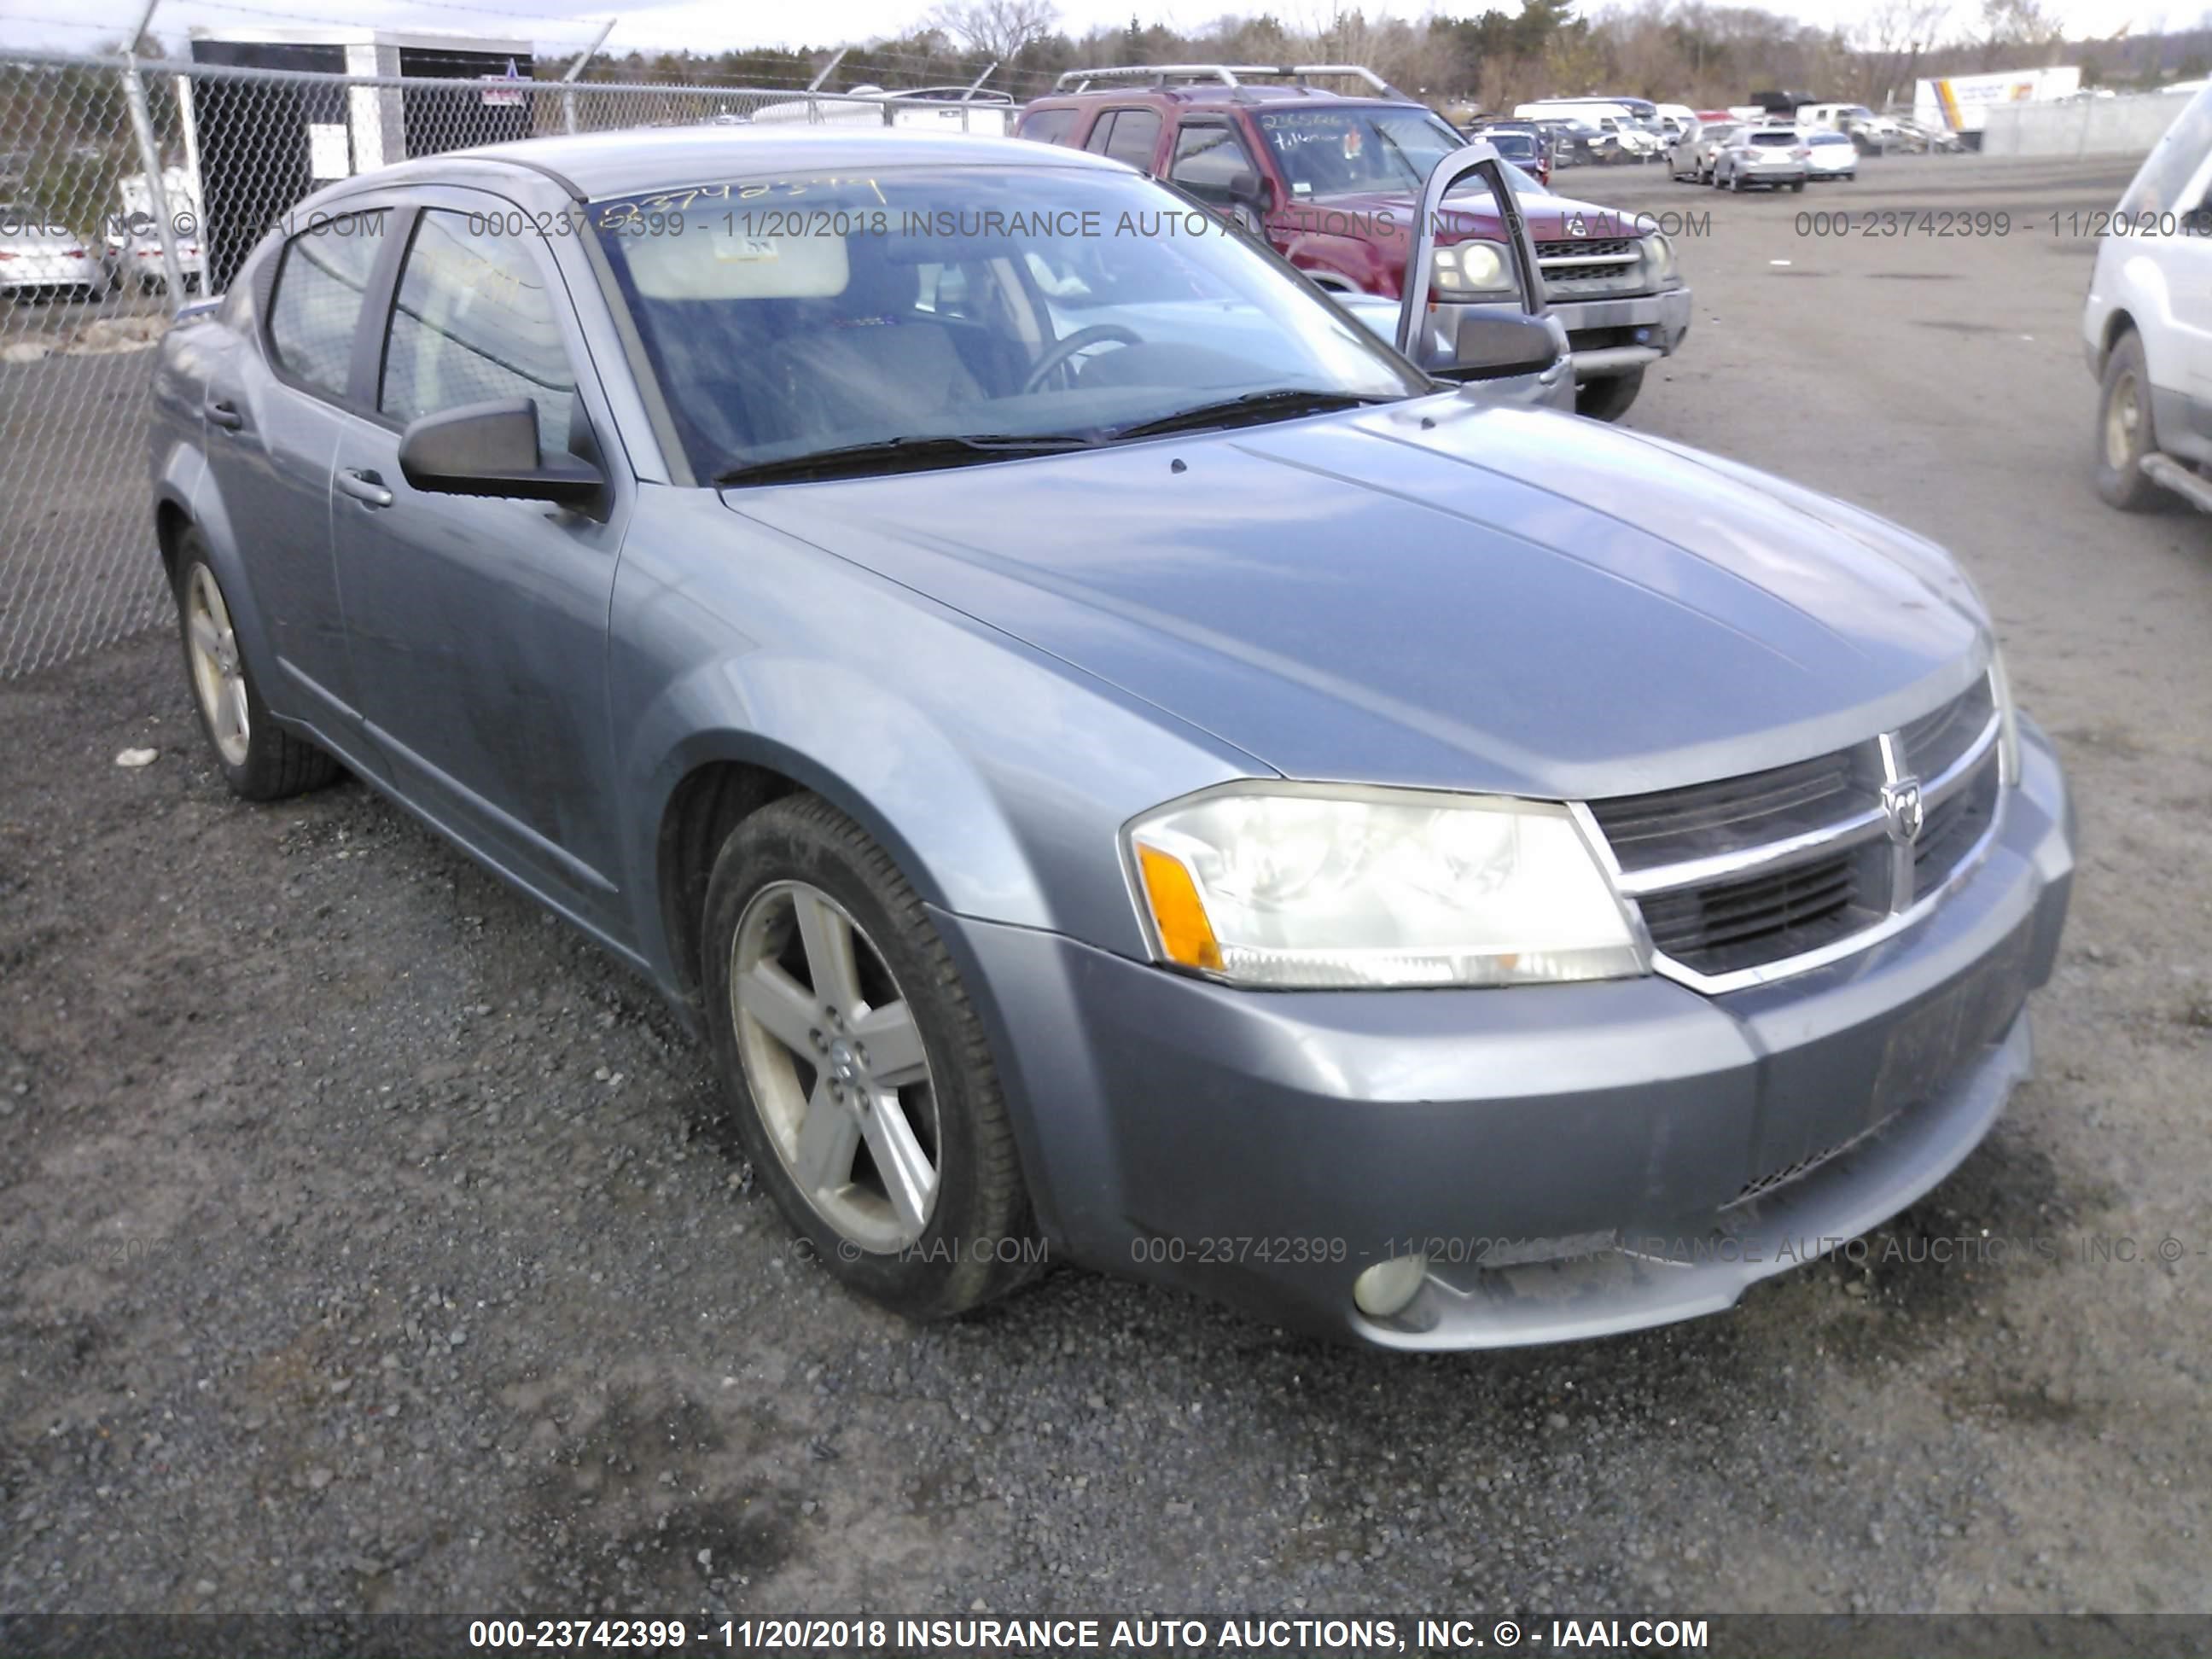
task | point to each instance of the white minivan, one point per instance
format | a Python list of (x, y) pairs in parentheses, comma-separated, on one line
[(2146, 329)]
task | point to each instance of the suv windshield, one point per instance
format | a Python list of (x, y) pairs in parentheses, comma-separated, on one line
[(1000, 310), (1341, 149)]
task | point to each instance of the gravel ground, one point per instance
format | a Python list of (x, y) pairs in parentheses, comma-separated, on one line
[(368, 1242)]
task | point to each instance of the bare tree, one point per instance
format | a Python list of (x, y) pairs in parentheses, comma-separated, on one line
[(996, 29)]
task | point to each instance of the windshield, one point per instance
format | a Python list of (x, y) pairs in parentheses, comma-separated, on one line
[(1771, 139), (790, 316), (1348, 148), (2157, 189), (1830, 139)]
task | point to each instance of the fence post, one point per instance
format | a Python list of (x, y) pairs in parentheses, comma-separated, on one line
[(157, 195), (568, 80)]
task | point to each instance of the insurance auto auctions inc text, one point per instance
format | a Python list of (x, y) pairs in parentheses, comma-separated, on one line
[(1291, 1634)]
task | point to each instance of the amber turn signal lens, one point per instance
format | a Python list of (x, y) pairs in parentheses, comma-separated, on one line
[(1186, 936)]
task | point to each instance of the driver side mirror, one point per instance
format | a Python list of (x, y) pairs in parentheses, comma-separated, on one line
[(1247, 189), (491, 449), (1477, 340)]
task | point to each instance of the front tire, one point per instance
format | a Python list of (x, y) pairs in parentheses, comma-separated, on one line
[(2124, 433), (1608, 400), (862, 1079), (259, 760)]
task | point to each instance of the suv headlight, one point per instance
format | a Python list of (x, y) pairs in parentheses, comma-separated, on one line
[(1277, 884), (1469, 268), (1659, 257)]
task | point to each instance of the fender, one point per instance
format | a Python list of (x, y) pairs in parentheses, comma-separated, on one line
[(1357, 262), (873, 757)]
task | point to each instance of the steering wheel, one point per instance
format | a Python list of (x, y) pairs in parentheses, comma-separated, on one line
[(1082, 340)]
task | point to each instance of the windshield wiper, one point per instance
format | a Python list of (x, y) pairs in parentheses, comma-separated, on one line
[(1278, 405), (895, 454)]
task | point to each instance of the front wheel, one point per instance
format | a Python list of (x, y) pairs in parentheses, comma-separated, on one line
[(259, 761), (1608, 400), (1799, 187), (864, 1090), (2124, 434)]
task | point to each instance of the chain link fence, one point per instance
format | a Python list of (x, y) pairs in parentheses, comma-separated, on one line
[(128, 189)]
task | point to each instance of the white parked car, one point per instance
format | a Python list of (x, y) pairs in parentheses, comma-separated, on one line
[(2147, 328), (1833, 155), (38, 257)]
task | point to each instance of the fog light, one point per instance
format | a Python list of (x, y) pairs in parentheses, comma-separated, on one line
[(1389, 1287)]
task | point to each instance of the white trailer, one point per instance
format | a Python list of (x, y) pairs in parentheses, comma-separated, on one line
[(1961, 103)]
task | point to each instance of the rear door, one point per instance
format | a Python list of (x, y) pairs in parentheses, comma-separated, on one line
[(1127, 135), (274, 408), (479, 626)]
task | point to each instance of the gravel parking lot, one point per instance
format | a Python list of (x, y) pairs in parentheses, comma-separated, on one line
[(368, 1242)]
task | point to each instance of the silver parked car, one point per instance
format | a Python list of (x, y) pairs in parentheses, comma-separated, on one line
[(1163, 777), (1692, 154), (1769, 157)]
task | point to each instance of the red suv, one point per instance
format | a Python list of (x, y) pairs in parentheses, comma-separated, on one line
[(1332, 181)]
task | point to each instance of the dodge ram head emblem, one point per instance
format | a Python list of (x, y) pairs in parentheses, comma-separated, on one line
[(1901, 803), (1575, 227)]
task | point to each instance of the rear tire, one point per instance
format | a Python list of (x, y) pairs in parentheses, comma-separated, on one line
[(2124, 434), (259, 759), (866, 1097), (1608, 400)]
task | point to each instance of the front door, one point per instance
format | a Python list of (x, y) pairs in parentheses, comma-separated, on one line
[(478, 627)]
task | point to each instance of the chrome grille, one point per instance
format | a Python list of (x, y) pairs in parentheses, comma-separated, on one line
[(1753, 878), (1595, 249)]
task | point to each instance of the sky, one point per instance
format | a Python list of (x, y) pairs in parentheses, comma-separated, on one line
[(567, 24)]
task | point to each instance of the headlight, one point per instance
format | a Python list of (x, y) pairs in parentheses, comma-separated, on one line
[(2007, 722), (1659, 257), (1278, 885), (1471, 268)]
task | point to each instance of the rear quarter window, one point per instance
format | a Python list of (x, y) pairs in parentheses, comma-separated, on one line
[(1049, 126)]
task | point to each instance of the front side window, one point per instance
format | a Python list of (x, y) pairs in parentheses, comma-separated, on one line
[(475, 323), (1001, 305), (321, 283), (1209, 159)]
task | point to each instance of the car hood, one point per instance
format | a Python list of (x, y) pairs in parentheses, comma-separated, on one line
[(1549, 217), (1435, 593)]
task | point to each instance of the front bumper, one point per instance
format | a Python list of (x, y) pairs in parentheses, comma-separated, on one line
[(1610, 337), (1569, 1157)]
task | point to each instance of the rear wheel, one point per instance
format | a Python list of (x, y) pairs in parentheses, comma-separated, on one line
[(1608, 400), (2124, 436), (865, 1089), (259, 761)]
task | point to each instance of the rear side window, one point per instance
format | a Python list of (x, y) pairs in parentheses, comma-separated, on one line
[(320, 286), (1049, 126), (1136, 136), (475, 323)]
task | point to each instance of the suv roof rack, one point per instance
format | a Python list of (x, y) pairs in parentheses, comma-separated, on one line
[(1224, 75)]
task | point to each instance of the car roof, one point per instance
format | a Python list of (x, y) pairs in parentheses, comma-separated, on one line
[(596, 165)]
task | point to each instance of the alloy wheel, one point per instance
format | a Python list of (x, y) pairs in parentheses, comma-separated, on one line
[(2123, 417), (835, 1062), (218, 673)]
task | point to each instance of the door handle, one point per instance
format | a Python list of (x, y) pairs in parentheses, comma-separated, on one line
[(221, 411), (364, 486)]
